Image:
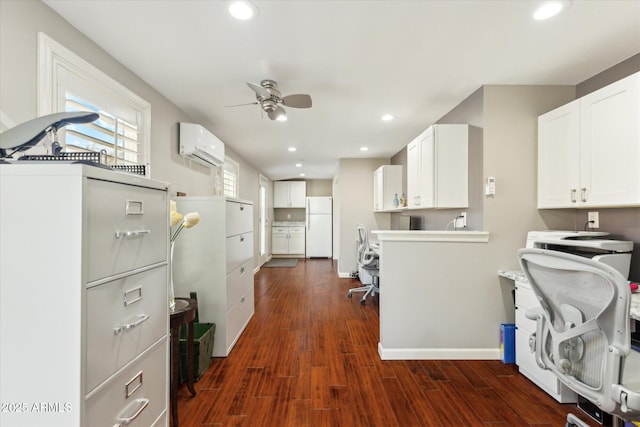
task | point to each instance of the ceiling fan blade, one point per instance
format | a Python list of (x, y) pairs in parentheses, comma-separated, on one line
[(241, 105), (259, 90), (297, 101)]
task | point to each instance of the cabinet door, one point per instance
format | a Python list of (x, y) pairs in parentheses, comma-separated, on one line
[(610, 148), (378, 190), (413, 174), (450, 157), (427, 168), (558, 165), (281, 194), (279, 243), (297, 194), (296, 243)]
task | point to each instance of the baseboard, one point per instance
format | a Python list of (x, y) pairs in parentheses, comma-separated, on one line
[(438, 353)]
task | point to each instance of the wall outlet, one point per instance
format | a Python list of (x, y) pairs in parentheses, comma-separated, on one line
[(594, 220), (461, 221)]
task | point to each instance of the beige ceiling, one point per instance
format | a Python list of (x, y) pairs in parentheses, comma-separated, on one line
[(357, 59)]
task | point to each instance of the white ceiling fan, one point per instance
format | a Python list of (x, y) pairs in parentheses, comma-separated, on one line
[(269, 98)]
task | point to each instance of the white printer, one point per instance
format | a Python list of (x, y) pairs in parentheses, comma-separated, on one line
[(590, 244)]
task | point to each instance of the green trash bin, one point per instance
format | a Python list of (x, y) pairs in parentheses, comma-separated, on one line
[(203, 335)]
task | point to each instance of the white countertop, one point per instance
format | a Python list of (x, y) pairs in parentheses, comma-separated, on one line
[(432, 236), (288, 224)]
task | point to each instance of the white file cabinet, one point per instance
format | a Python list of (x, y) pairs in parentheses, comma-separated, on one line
[(215, 259), (525, 359), (83, 297)]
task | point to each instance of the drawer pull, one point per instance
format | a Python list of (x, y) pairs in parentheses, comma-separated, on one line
[(241, 207), (136, 295), (134, 233), (242, 269), (136, 382), (134, 207), (141, 318), (138, 406), (242, 238)]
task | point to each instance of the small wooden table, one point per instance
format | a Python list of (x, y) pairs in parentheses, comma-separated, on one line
[(184, 313)]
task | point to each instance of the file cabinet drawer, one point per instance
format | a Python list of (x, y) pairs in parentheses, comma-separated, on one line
[(526, 298), (126, 228), (124, 317), (239, 281), (239, 218), (237, 317), (523, 322), (239, 249), (137, 393)]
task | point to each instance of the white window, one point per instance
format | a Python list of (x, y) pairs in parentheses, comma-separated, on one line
[(231, 176), (66, 82)]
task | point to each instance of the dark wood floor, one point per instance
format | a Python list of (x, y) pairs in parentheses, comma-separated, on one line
[(309, 358)]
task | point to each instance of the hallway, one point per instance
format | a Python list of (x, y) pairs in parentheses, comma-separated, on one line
[(309, 358)]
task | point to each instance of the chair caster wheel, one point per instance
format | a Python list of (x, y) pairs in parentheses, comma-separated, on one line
[(363, 302), (348, 294)]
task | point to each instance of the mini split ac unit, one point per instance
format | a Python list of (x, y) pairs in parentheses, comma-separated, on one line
[(200, 145)]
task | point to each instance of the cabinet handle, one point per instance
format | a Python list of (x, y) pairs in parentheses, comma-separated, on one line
[(138, 406), (242, 238), (134, 233), (241, 207), (573, 195), (583, 194), (141, 319), (242, 269)]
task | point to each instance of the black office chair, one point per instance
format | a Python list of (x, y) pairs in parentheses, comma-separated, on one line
[(368, 271), (582, 332)]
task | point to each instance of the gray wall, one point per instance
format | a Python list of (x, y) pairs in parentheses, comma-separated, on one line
[(353, 205), (20, 21)]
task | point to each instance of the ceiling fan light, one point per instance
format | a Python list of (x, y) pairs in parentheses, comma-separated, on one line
[(547, 10), (242, 10)]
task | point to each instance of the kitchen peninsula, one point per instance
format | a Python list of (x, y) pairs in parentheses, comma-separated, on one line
[(438, 299)]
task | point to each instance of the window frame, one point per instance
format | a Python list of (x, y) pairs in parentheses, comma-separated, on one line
[(54, 58), (233, 168)]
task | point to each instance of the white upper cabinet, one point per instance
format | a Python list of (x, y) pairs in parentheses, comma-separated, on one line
[(289, 194), (589, 149), (438, 168), (387, 187)]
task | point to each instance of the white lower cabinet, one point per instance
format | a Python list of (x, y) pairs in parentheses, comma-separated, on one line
[(83, 297), (286, 240), (525, 359), (215, 260)]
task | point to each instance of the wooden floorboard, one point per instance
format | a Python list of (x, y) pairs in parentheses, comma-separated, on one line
[(309, 357)]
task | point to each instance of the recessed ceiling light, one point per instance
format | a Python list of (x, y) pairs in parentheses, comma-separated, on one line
[(292, 149), (387, 117), (547, 10), (298, 165), (364, 148), (242, 10), (301, 174)]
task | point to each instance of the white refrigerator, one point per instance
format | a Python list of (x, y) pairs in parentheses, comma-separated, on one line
[(319, 235)]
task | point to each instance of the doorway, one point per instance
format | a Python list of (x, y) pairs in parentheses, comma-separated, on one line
[(264, 220)]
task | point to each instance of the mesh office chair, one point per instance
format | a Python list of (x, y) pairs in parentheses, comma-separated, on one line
[(368, 272), (582, 332)]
